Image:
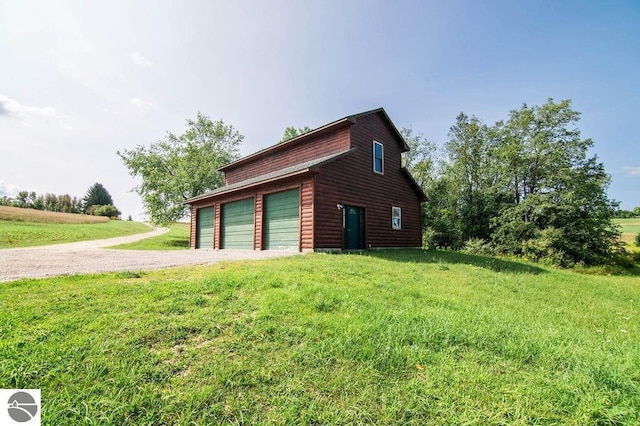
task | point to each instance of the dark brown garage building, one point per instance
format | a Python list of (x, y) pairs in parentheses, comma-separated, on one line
[(339, 187)]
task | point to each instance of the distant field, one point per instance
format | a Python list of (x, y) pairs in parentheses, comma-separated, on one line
[(630, 228), (29, 215), (404, 337), (176, 239), (28, 228)]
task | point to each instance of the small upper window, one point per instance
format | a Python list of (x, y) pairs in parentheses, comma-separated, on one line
[(396, 218), (378, 157)]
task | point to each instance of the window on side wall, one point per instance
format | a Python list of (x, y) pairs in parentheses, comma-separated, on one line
[(396, 218), (378, 158)]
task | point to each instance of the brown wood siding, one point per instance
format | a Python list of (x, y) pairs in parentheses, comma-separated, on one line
[(217, 223), (313, 148), (192, 239), (257, 217), (306, 215), (304, 183), (352, 181)]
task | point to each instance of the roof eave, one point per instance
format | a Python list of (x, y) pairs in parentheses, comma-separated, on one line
[(249, 185), (423, 196), (311, 168)]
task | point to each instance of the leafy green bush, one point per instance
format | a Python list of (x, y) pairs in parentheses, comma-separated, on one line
[(547, 248), (478, 246), (104, 210), (637, 241), (619, 264), (624, 259)]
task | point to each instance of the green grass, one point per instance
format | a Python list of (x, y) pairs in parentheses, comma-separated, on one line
[(26, 234), (176, 239), (398, 337), (630, 228), (629, 225)]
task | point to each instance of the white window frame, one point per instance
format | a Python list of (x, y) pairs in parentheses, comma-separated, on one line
[(396, 212), (374, 157)]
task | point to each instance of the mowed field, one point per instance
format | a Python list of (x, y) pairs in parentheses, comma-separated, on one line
[(404, 337), (630, 228), (27, 227)]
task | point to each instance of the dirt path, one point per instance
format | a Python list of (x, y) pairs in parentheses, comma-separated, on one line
[(87, 257)]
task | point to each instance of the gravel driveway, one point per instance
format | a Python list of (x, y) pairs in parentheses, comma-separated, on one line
[(87, 257)]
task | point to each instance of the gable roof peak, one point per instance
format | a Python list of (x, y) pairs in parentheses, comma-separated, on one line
[(381, 110), (345, 121)]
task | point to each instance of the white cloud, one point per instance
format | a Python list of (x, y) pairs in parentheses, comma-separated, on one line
[(138, 59), (29, 113), (8, 190), (142, 105), (12, 108), (632, 171)]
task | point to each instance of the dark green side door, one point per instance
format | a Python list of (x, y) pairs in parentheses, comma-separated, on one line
[(353, 228), (237, 225), (282, 220), (204, 227)]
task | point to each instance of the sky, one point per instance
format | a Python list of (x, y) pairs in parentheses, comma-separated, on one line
[(81, 80)]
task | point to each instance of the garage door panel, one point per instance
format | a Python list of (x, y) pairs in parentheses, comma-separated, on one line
[(285, 225), (282, 220), (204, 227), (238, 224)]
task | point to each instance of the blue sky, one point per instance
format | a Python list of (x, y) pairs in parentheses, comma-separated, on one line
[(80, 80)]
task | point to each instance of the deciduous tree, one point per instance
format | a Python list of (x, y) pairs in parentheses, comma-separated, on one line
[(421, 158), (472, 171), (179, 167), (558, 193), (292, 132)]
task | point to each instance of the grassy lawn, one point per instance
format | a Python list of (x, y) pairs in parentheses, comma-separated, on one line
[(398, 337), (25, 234), (176, 239)]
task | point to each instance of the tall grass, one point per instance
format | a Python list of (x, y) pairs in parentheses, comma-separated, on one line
[(17, 214), (402, 337)]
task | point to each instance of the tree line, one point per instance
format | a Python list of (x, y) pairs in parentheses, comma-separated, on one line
[(525, 186), (96, 202), (47, 202), (628, 214)]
